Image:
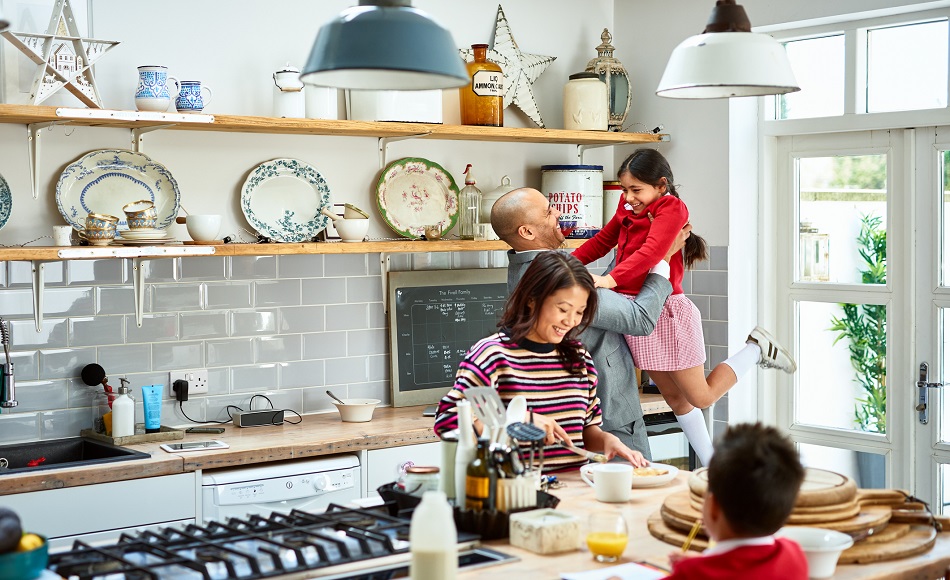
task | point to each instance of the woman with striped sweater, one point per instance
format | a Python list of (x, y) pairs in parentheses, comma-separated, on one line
[(536, 355)]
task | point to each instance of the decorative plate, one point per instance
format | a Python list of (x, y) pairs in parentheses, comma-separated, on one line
[(413, 193), (6, 202), (104, 181), (282, 200)]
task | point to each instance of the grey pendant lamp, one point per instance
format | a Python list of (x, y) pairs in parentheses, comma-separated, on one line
[(727, 60), (384, 44)]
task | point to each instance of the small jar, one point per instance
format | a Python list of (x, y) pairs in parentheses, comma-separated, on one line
[(420, 479), (586, 107)]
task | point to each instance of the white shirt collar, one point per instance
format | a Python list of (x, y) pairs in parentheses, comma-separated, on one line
[(729, 545)]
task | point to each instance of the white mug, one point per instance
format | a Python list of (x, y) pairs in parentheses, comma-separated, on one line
[(611, 481), (62, 235)]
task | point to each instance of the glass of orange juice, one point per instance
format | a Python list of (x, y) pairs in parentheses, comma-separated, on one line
[(606, 536)]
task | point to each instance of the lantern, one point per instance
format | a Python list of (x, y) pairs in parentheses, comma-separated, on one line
[(611, 71)]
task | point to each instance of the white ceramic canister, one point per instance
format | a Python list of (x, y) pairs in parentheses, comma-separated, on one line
[(325, 103), (577, 192), (586, 107), (490, 197), (289, 96), (612, 194)]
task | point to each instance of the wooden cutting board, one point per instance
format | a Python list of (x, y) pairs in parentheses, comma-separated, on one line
[(806, 516), (659, 530), (820, 487)]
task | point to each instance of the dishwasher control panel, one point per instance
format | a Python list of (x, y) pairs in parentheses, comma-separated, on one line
[(283, 488)]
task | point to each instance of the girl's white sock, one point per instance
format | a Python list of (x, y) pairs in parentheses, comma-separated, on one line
[(744, 360), (694, 425)]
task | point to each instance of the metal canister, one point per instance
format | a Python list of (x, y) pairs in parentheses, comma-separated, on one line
[(613, 192), (577, 192)]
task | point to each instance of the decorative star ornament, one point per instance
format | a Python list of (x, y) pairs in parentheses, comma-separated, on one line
[(64, 57), (521, 69)]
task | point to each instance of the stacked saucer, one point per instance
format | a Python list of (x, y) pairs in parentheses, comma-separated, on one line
[(144, 237)]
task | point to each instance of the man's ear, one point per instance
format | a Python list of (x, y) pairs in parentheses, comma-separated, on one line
[(526, 232)]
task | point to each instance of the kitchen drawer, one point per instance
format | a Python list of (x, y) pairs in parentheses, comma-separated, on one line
[(87, 509), (386, 465)]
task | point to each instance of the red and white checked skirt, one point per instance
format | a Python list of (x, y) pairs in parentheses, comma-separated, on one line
[(676, 343)]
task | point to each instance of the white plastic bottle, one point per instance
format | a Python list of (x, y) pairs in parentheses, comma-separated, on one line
[(123, 414), (433, 539), (465, 449)]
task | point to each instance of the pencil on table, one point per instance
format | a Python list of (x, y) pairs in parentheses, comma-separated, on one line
[(692, 535)]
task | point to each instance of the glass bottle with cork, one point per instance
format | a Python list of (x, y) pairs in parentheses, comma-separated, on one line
[(480, 479), (482, 101), (469, 199)]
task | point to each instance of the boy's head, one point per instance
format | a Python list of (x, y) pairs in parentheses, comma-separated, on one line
[(755, 475)]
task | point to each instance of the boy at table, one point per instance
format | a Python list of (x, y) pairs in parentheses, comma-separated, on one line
[(754, 478)]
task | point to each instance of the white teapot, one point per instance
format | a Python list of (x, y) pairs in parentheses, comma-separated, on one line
[(289, 97)]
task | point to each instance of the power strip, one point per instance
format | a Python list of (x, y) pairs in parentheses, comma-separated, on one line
[(262, 418)]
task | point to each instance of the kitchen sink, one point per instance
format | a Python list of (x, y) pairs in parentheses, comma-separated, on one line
[(56, 453)]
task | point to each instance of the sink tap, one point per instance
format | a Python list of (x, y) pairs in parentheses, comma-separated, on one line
[(7, 384)]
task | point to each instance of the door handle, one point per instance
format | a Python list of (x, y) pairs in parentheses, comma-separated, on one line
[(923, 394)]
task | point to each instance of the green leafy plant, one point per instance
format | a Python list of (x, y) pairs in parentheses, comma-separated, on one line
[(864, 326)]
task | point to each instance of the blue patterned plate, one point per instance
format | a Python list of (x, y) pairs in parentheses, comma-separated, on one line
[(6, 202), (282, 200), (104, 181)]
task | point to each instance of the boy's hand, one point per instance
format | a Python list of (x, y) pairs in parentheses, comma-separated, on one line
[(679, 556), (604, 281), (680, 242)]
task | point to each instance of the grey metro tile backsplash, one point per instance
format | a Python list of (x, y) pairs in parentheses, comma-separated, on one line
[(288, 327)]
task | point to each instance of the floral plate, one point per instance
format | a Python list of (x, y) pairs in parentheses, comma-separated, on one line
[(6, 202), (282, 200), (413, 193), (104, 181)]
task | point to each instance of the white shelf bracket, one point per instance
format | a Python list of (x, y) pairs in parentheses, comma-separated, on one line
[(33, 132), (383, 144), (39, 281), (582, 148), (138, 287), (384, 265), (139, 131)]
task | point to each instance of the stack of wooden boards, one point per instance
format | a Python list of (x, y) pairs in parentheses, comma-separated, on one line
[(885, 524)]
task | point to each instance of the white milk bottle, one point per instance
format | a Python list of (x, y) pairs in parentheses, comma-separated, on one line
[(432, 539)]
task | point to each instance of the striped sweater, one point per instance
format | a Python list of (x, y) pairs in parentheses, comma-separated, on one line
[(534, 371)]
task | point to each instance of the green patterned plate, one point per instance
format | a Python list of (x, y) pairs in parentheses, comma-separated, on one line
[(413, 193), (282, 200)]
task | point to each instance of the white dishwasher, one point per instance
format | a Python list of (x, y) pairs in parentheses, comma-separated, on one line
[(306, 484)]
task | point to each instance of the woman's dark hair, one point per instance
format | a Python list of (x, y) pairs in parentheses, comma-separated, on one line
[(549, 272), (649, 166)]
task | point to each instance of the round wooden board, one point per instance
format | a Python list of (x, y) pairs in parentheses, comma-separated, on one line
[(807, 515), (659, 530), (203, 243), (820, 488), (918, 540), (891, 532)]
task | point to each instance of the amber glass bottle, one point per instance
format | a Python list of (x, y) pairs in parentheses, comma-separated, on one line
[(482, 102), (480, 480)]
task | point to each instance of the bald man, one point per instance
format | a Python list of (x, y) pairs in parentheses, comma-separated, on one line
[(525, 220)]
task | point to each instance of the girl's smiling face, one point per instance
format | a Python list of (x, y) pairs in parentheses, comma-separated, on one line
[(560, 312), (638, 194)]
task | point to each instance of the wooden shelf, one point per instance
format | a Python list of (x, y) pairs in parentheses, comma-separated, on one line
[(29, 114)]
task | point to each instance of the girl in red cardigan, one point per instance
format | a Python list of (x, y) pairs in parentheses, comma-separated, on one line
[(648, 218)]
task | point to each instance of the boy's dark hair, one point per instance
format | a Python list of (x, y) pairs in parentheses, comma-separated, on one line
[(649, 166), (755, 474)]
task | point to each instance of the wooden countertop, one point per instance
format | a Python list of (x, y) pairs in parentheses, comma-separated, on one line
[(577, 498)]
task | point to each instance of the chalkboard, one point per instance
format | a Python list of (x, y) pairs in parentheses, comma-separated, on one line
[(435, 316)]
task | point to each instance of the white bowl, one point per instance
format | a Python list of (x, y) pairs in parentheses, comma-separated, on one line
[(352, 230), (357, 410), (203, 228), (822, 547)]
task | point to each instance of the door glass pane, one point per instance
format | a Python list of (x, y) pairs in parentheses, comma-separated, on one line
[(867, 469), (944, 207), (842, 210), (944, 320), (818, 64), (907, 67), (842, 366)]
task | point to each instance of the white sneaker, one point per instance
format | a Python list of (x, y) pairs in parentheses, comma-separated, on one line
[(774, 355)]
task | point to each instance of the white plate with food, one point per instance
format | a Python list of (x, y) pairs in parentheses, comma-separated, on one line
[(104, 181), (282, 200), (655, 475)]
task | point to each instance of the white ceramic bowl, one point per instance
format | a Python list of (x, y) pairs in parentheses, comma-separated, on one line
[(352, 230), (203, 228), (357, 410), (822, 547)]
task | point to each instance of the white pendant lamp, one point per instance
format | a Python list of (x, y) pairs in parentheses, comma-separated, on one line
[(384, 44), (727, 60)]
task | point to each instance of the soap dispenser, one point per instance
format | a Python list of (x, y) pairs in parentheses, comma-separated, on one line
[(123, 413)]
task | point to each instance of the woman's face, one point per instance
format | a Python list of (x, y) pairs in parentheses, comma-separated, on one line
[(560, 312), (638, 194)]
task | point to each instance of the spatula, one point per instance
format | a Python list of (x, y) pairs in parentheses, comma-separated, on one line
[(488, 408)]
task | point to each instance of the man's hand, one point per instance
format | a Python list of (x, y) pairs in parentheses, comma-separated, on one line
[(680, 242), (552, 431), (613, 447), (604, 281)]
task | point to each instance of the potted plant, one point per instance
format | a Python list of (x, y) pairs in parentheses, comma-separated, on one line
[(864, 326)]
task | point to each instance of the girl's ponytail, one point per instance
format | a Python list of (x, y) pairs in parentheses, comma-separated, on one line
[(696, 250)]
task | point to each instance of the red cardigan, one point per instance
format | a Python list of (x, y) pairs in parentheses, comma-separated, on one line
[(783, 560), (642, 240)]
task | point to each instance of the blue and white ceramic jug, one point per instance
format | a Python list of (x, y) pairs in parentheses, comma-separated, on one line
[(152, 93), (190, 99)]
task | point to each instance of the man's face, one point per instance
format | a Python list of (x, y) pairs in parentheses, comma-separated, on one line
[(543, 222)]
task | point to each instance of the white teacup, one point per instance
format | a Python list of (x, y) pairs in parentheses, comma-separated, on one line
[(611, 481), (203, 228)]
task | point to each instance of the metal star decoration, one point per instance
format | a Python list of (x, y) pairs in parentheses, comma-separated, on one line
[(521, 69), (63, 56)]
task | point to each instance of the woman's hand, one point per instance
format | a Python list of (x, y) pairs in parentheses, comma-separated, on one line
[(604, 281), (613, 447), (552, 431)]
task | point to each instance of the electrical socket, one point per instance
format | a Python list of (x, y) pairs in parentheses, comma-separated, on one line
[(197, 381)]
